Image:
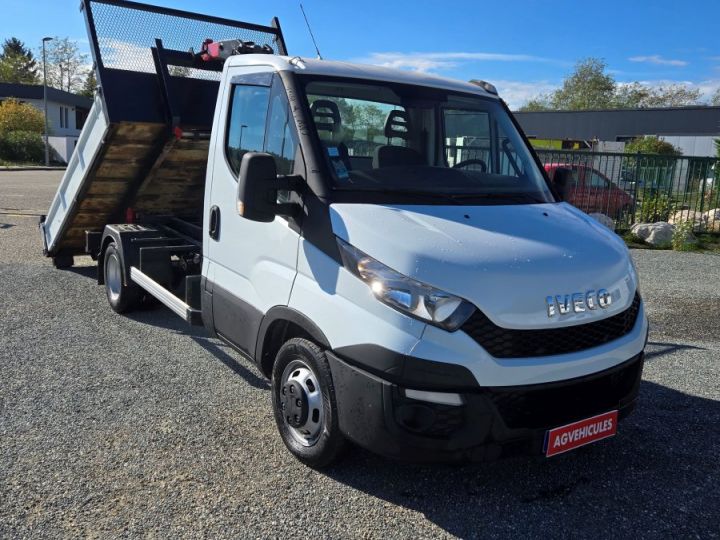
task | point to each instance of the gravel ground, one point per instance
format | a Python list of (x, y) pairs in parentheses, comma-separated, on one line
[(140, 425)]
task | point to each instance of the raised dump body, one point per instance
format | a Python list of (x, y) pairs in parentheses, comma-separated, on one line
[(143, 150)]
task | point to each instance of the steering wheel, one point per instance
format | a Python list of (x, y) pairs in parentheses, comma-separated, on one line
[(483, 165)]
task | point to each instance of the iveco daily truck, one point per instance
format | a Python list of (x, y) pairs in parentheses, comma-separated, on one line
[(384, 245)]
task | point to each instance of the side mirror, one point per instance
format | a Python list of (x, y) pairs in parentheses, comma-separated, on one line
[(258, 186), (562, 180)]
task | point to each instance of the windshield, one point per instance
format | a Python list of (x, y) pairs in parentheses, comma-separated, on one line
[(389, 137)]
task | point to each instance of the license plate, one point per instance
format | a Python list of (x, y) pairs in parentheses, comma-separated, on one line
[(564, 438)]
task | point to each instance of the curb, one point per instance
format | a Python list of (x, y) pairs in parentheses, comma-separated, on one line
[(32, 168)]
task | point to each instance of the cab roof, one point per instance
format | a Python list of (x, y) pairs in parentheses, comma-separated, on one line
[(332, 68)]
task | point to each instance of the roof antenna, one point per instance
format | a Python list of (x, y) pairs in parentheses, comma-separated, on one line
[(311, 33)]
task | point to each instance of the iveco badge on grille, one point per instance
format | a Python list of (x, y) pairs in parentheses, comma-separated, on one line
[(577, 302)]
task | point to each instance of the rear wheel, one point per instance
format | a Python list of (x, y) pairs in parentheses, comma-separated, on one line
[(304, 403), (122, 298)]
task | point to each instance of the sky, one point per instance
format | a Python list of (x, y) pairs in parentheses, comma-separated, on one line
[(523, 47)]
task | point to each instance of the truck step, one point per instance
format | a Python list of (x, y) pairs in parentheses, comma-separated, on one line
[(176, 305)]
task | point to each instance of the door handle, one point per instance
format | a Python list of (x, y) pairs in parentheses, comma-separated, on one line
[(214, 225)]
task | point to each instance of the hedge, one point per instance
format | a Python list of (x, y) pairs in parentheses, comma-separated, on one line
[(22, 146)]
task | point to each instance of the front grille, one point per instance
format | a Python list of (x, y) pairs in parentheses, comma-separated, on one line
[(509, 343), (553, 405)]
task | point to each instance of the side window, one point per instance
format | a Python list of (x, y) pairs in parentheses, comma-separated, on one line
[(575, 181), (281, 140), (467, 136), (246, 123), (597, 181)]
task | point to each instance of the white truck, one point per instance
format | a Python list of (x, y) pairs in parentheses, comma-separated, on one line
[(420, 300)]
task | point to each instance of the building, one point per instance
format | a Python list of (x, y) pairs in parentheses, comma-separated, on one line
[(66, 114), (692, 129)]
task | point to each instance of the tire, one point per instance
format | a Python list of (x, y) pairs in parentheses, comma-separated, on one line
[(122, 298), (312, 433), (63, 261)]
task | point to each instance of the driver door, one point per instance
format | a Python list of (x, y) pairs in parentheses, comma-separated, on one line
[(254, 264)]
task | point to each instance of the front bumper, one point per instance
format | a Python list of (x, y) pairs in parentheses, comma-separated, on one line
[(491, 422)]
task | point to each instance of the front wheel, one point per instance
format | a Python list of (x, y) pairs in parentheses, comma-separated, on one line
[(304, 404)]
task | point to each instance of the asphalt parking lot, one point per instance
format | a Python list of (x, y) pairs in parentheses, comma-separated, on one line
[(140, 425)]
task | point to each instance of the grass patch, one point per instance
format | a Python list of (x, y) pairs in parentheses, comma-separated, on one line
[(5, 163), (635, 242), (709, 242)]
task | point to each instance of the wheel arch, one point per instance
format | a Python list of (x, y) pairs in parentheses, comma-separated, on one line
[(280, 324)]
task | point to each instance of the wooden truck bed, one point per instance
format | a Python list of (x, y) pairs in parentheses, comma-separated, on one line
[(144, 147)]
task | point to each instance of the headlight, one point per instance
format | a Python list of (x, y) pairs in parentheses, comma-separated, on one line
[(406, 294), (634, 271)]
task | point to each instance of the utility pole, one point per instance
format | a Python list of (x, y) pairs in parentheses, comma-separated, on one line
[(47, 145)]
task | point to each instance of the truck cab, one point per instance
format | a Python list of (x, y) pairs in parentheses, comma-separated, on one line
[(389, 241), (384, 245)]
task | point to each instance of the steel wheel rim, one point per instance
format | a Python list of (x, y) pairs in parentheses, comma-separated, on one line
[(113, 278), (298, 375)]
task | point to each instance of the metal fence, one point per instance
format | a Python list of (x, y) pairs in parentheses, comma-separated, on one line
[(633, 188)]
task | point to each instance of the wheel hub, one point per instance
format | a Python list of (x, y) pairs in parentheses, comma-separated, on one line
[(113, 277), (301, 402), (294, 404)]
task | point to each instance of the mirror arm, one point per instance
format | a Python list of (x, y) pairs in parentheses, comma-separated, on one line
[(290, 182), (292, 210)]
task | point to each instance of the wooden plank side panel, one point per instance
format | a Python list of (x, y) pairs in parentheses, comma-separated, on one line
[(127, 150), (177, 184)]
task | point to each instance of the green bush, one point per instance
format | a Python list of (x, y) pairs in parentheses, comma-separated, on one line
[(22, 146), (651, 145), (16, 116), (655, 207), (683, 238)]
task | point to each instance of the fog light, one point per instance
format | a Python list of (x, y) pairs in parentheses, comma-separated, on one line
[(443, 398)]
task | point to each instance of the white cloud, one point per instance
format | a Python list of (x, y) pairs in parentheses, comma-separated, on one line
[(658, 60), (438, 61), (517, 93), (120, 54)]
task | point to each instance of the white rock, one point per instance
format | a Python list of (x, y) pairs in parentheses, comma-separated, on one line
[(657, 234), (603, 219), (698, 219), (712, 218)]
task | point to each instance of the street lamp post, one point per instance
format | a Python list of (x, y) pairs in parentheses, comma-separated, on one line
[(47, 146), (242, 128)]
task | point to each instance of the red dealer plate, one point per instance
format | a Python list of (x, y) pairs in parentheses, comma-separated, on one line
[(580, 433)]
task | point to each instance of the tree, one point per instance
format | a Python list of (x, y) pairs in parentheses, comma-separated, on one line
[(179, 71), (17, 64), (631, 96), (636, 95), (65, 65), (715, 99), (651, 145), (16, 116), (542, 102), (588, 87), (89, 86), (369, 117)]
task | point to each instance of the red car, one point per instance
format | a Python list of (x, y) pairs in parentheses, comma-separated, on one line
[(592, 191)]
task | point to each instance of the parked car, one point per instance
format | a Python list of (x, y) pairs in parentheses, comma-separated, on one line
[(592, 191)]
